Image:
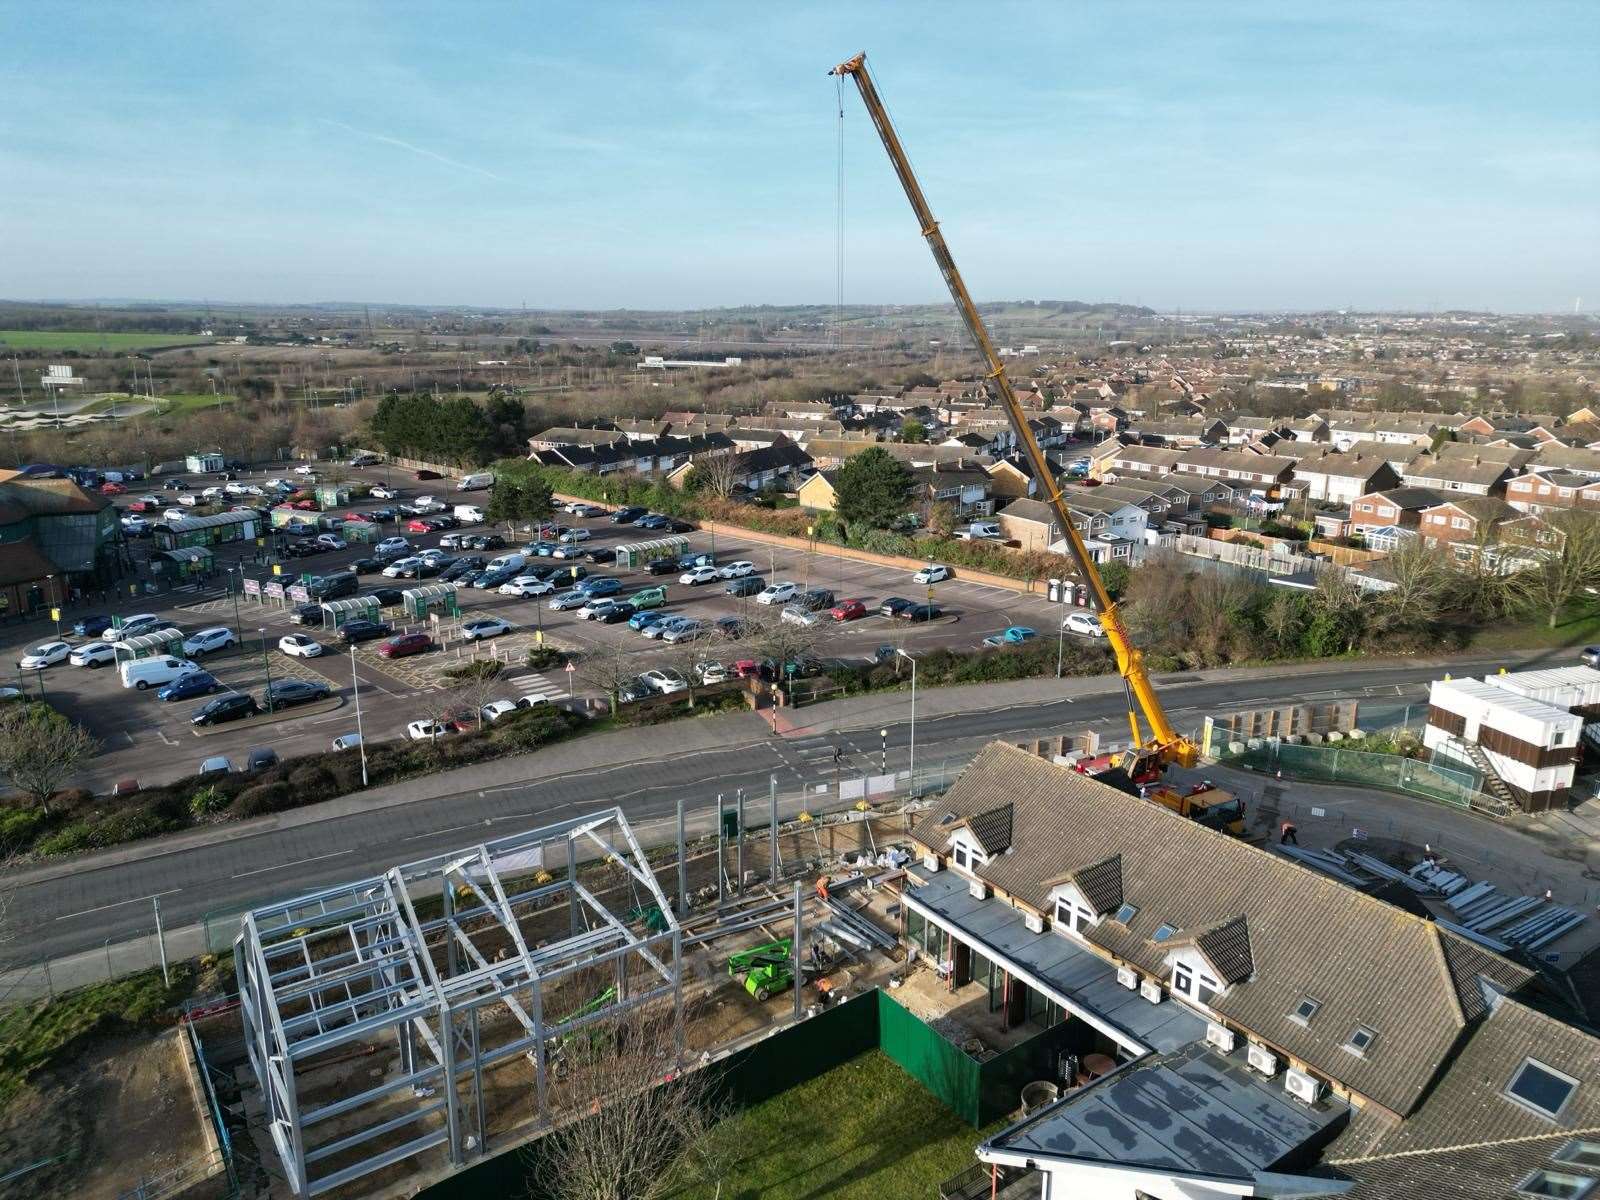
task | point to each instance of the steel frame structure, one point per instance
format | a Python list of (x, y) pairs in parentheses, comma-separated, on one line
[(354, 964)]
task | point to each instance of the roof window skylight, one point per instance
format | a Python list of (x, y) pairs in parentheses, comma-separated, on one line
[(1127, 913), (1163, 933), (1305, 1010), (1540, 1088)]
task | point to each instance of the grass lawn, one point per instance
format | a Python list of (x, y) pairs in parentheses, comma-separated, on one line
[(182, 402), (89, 340), (863, 1131), (1579, 625)]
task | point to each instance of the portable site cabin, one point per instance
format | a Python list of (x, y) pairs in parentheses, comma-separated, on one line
[(418, 602), (208, 461), (284, 514), (150, 645), (177, 532), (637, 553), (338, 613), (1575, 688), (1532, 746), (190, 562)]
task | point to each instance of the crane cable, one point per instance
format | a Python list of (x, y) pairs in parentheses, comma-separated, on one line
[(838, 84)]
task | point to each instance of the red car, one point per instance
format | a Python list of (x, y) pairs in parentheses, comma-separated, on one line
[(404, 644), (847, 610), (418, 525), (140, 506), (112, 489), (748, 668), (355, 516), (304, 505)]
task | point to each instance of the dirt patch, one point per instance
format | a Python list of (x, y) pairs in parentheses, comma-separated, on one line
[(123, 1114)]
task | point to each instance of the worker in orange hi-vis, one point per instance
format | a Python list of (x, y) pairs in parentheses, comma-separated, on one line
[(822, 888)]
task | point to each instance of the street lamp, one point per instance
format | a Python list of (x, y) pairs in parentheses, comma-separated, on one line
[(267, 662), (1061, 644), (361, 738), (913, 766), (235, 586), (883, 768)]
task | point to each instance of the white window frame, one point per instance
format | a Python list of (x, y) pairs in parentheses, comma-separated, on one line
[(1070, 912), (1192, 978)]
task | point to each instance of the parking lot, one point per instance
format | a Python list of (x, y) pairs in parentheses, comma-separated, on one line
[(152, 740)]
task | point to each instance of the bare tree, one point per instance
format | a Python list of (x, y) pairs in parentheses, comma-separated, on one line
[(1561, 561), (1424, 581), (1482, 576), (608, 671), (643, 1126), (716, 474), (786, 642), (40, 750)]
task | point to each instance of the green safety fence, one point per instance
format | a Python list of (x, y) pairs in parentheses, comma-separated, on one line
[(1335, 764)]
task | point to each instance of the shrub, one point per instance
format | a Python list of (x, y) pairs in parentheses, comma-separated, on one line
[(483, 668), (69, 839), (541, 657), (19, 826), (72, 800), (262, 799), (207, 800), (311, 781)]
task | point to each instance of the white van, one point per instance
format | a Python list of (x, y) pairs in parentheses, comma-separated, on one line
[(506, 560), (980, 531), (144, 673), (476, 483), (469, 514)]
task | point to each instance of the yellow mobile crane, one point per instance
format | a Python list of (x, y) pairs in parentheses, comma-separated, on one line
[(1161, 744)]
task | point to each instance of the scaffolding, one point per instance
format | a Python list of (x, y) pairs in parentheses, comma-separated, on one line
[(331, 973)]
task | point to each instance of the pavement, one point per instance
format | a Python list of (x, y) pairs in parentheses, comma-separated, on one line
[(83, 905)]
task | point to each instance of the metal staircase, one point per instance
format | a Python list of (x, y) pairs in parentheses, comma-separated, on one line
[(1496, 799)]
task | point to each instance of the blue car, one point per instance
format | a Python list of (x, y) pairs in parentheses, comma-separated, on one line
[(601, 585), (91, 626), (641, 620), (1014, 635), (189, 685)]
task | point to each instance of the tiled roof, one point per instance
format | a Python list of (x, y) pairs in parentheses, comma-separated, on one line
[(1227, 948), (992, 829), (1101, 884), (1456, 470), (1364, 961)]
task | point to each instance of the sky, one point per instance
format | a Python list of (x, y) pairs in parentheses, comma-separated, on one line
[(1183, 154)]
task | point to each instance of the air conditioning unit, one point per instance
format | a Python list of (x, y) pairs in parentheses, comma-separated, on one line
[(1034, 922), (978, 890), (1128, 978), (930, 863), (1263, 1060), (1151, 991), (1220, 1036), (1302, 1086)]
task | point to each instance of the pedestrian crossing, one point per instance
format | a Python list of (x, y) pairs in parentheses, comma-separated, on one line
[(535, 684)]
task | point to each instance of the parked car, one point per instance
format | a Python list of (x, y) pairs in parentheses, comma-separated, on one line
[(1590, 656), (665, 682), (306, 614), (932, 573), (404, 645), (428, 730), (401, 567), (736, 570), (384, 493), (643, 618), (346, 741), (1085, 624), (394, 547), (661, 566), (893, 606), (364, 631), (650, 597), (777, 593), (217, 764), (627, 516), (731, 627), (93, 654), (135, 526), (387, 597), (748, 585), (229, 707), (686, 629), (814, 600), (1012, 635), (91, 626), (208, 641), (848, 610), (365, 566), (427, 474), (45, 654), (796, 613), (329, 541), (260, 758), (155, 672), (918, 613), (586, 510), (653, 521), (484, 541), (137, 626), (659, 629), (189, 685), (485, 627), (607, 612), (710, 672), (693, 559), (286, 693), (494, 576), (699, 575), (601, 585), (298, 645), (527, 585), (574, 535)]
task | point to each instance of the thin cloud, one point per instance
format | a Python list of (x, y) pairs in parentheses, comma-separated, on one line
[(420, 150)]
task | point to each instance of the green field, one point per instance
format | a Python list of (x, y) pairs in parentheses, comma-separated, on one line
[(88, 340), (863, 1131)]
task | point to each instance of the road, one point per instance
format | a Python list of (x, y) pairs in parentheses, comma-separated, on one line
[(82, 908)]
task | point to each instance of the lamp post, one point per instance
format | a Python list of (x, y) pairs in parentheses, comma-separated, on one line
[(913, 766), (235, 586), (54, 602), (883, 768), (1061, 645), (267, 662), (361, 737)]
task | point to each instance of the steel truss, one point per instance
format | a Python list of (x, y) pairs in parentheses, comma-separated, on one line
[(328, 974)]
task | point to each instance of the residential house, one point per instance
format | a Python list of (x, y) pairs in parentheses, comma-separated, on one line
[(1380, 427), (1515, 457), (967, 488), (817, 493), (1266, 472), (1112, 458), (1269, 1030), (558, 437), (830, 452), (1112, 529), (1010, 478), (1464, 523), (1475, 476), (1539, 427), (797, 410), (1573, 458), (1244, 428), (1397, 454), (1396, 508), (767, 468), (1345, 478), (1179, 432), (1550, 490), (1309, 429)]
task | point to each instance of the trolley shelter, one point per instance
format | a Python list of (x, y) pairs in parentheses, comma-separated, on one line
[(418, 602), (336, 614), (637, 553), (150, 645), (192, 562), (214, 530), (332, 495), (360, 531)]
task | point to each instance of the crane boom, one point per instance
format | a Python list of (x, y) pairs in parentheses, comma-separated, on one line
[(1161, 740)]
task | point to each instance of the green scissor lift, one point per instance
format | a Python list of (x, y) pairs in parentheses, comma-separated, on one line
[(766, 969)]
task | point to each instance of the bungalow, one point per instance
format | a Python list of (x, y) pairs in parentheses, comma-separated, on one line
[(1475, 476), (558, 437)]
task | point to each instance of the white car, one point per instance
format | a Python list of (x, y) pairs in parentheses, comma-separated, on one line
[(93, 654), (251, 489), (279, 484), (433, 554), (212, 493), (665, 682), (711, 672), (527, 585), (1086, 624), (135, 524), (298, 645), (575, 535), (495, 709), (736, 570), (189, 500), (218, 637), (777, 593), (46, 654), (329, 541), (426, 504), (384, 493), (932, 573), (485, 627), (695, 576), (586, 510), (426, 731), (392, 545), (233, 489), (305, 469), (401, 565)]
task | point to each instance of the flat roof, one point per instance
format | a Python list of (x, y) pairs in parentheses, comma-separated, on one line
[(1192, 1111), (1502, 699), (1080, 978)]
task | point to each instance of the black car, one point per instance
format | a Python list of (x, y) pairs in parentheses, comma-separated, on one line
[(663, 566), (332, 587), (485, 541), (627, 516), (306, 614), (175, 485), (225, 708), (558, 573), (365, 566), (464, 567), (695, 559), (286, 693), (426, 568), (922, 612), (749, 585), (894, 606), (386, 597), (814, 600), (366, 631), (620, 611), (600, 555), (301, 549), (381, 514), (91, 626), (679, 526), (730, 627), (440, 521), (261, 758), (653, 521)]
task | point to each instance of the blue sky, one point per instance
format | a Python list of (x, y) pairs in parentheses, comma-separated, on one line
[(1177, 154)]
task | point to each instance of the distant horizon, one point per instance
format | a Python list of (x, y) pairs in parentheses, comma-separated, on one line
[(1251, 157)]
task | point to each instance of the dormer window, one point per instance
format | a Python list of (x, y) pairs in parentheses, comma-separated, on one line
[(1304, 1011), (1070, 914), (1556, 1183)]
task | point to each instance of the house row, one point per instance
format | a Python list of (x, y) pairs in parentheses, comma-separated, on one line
[(1259, 1028)]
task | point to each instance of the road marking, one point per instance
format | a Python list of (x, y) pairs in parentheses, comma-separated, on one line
[(117, 904), (162, 734), (297, 863), (417, 837)]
